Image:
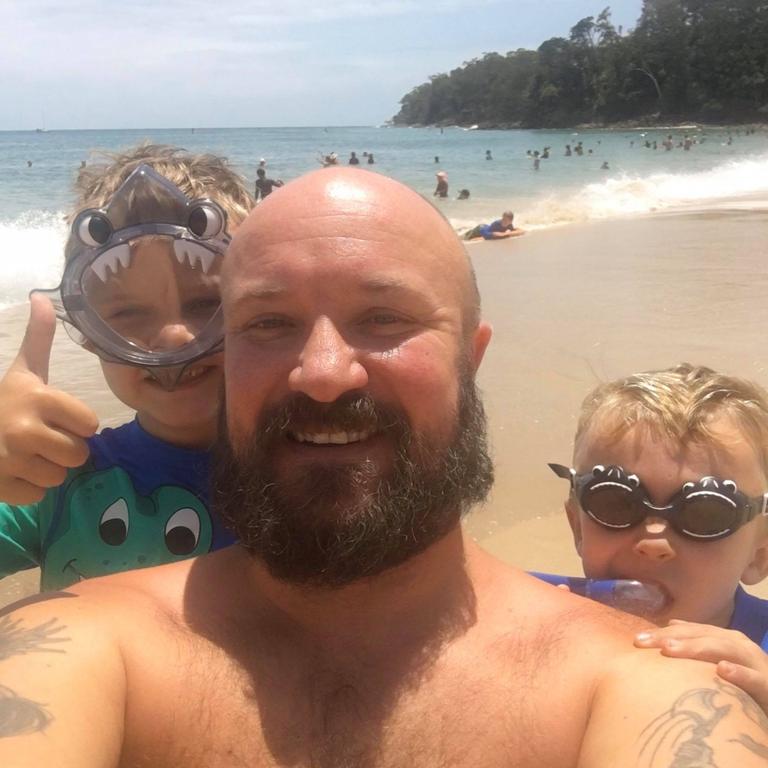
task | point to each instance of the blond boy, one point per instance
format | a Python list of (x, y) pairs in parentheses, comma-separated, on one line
[(81, 504), (668, 487)]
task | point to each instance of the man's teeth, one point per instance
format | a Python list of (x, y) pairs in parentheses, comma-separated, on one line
[(334, 438)]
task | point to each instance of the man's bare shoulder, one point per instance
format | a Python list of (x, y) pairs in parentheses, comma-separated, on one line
[(661, 712), (571, 619), (157, 590)]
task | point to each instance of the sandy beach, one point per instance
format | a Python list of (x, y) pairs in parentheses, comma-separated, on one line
[(570, 307)]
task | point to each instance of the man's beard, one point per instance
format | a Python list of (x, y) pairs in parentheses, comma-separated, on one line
[(332, 524)]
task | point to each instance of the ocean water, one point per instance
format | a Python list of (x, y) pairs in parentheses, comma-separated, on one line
[(713, 174)]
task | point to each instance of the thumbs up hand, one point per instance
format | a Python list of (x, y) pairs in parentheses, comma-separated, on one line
[(42, 429)]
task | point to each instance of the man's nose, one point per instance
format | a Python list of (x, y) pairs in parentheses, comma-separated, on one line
[(328, 366), (654, 540)]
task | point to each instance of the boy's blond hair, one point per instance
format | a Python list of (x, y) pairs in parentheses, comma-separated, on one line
[(196, 175), (679, 403)]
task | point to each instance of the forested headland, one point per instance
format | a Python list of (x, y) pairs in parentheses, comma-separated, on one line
[(685, 60)]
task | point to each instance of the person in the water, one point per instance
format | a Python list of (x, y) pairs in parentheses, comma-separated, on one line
[(499, 229), (140, 289), (669, 486)]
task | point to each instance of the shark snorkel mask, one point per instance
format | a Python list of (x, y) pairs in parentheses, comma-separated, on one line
[(141, 281)]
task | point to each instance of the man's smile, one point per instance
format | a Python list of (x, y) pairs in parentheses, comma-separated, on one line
[(330, 437)]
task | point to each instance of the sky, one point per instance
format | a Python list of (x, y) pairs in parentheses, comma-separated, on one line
[(242, 63)]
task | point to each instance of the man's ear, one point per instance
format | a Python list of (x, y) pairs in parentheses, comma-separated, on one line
[(757, 569), (574, 519), (480, 339)]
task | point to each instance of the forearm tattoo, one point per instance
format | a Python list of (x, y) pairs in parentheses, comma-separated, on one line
[(683, 730), (19, 715)]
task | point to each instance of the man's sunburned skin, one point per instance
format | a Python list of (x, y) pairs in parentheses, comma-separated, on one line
[(685, 727), (19, 715)]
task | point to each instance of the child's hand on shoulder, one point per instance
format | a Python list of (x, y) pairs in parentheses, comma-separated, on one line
[(739, 661), (42, 429)]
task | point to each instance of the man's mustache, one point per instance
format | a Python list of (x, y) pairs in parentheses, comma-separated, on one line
[(352, 412)]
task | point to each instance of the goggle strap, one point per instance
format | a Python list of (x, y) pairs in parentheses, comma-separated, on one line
[(567, 473)]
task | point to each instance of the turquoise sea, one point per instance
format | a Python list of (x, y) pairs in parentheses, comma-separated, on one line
[(723, 167)]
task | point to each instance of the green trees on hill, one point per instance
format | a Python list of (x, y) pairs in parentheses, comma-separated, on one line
[(685, 59)]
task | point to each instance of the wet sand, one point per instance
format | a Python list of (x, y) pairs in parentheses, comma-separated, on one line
[(570, 307)]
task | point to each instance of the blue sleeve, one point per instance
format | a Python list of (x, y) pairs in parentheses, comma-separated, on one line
[(19, 538)]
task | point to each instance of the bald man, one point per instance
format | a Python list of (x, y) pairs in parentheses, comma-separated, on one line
[(356, 625)]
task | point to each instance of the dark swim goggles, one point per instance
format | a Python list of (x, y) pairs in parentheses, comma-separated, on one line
[(705, 510)]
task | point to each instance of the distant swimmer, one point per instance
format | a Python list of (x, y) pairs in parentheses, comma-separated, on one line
[(264, 185), (353, 159), (463, 194), (496, 230), (262, 162), (82, 163), (371, 161), (441, 190), (536, 160), (488, 155), (604, 166), (437, 159), (568, 152), (330, 159), (545, 153), (29, 163)]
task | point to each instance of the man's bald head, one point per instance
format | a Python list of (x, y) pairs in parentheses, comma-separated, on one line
[(351, 205)]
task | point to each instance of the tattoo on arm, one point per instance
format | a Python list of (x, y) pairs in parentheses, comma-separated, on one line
[(683, 729), (19, 716), (16, 640)]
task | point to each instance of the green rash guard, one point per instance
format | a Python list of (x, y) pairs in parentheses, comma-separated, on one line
[(137, 502)]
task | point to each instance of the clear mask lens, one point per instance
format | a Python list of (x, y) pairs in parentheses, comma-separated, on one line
[(155, 293)]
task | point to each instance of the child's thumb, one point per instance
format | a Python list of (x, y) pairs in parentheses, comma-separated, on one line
[(35, 351)]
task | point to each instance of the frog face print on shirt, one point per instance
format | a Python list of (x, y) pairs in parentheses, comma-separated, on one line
[(106, 526)]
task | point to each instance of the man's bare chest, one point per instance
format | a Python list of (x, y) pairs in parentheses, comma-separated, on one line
[(459, 712)]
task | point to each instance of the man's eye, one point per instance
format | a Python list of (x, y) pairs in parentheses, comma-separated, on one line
[(266, 323), (386, 322), (383, 318), (266, 326)]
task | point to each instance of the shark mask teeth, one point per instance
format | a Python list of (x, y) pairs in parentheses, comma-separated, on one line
[(193, 254), (109, 260)]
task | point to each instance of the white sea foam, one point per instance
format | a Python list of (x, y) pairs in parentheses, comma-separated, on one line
[(32, 248), (740, 183)]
